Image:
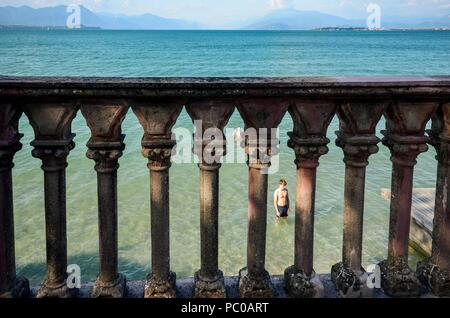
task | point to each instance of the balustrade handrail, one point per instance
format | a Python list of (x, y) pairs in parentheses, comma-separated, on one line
[(122, 87), (407, 103)]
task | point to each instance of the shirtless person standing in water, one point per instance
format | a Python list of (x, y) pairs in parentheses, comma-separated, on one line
[(281, 200)]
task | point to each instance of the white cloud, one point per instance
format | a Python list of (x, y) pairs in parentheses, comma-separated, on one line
[(344, 3), (280, 4)]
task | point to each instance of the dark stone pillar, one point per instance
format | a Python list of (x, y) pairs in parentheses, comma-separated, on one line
[(309, 141), (105, 148), (254, 280), (435, 271), (157, 119), (405, 138), (357, 139), (53, 141), (212, 117), (11, 285)]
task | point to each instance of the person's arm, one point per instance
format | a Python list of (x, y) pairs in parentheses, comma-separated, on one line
[(275, 201)]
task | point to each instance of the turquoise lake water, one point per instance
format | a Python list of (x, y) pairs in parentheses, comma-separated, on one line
[(207, 53)]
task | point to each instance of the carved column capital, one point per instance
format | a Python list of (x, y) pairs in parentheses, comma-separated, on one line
[(9, 135), (104, 119), (259, 150), (357, 149), (157, 119), (308, 139), (405, 127), (7, 152), (261, 116), (158, 154), (53, 136), (440, 134), (356, 136), (308, 151), (53, 153), (405, 149), (209, 151), (105, 155), (210, 117)]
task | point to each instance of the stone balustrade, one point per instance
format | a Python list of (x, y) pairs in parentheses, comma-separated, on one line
[(408, 105)]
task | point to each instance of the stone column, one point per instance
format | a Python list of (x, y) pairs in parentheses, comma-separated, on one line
[(262, 115), (210, 145), (105, 148), (405, 138), (157, 118), (53, 141), (309, 141), (11, 285), (435, 271), (357, 139)]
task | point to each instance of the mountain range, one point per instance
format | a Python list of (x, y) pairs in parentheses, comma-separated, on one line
[(284, 19), (57, 17)]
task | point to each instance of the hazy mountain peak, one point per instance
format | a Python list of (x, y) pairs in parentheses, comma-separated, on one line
[(57, 17), (290, 18)]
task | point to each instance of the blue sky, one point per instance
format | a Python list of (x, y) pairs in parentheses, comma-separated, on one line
[(221, 12)]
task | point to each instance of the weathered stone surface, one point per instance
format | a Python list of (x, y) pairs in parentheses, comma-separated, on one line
[(356, 137), (435, 271), (255, 287), (260, 115), (398, 280), (333, 87), (53, 142), (436, 279), (49, 290), (214, 288), (212, 115), (160, 288), (259, 101), (309, 142), (349, 283), (110, 289), (105, 147), (300, 285), (20, 288), (11, 286), (185, 286), (157, 119), (405, 137)]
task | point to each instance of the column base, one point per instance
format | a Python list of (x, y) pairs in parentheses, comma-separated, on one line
[(350, 283), (210, 288), (56, 291), (156, 288), (437, 280), (19, 289), (398, 279), (255, 287), (300, 285), (116, 289)]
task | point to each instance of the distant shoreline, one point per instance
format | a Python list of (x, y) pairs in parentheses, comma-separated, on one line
[(326, 29), (46, 27), (381, 29)]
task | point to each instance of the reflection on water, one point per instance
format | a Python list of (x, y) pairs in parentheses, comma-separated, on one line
[(134, 205)]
